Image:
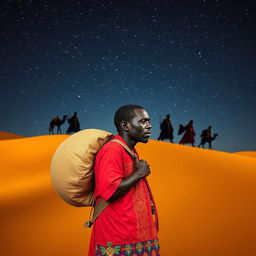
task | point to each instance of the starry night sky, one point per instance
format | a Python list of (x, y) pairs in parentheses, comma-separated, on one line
[(191, 59)]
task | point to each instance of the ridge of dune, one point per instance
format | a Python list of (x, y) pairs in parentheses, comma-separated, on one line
[(247, 153), (9, 136), (206, 201)]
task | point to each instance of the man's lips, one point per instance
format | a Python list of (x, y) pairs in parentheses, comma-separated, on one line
[(148, 134)]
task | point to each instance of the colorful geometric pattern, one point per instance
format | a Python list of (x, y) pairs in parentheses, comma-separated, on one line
[(147, 248)]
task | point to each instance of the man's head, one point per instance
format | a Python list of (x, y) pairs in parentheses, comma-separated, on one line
[(133, 122)]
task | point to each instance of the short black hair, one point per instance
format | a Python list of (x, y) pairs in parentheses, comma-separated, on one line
[(125, 113)]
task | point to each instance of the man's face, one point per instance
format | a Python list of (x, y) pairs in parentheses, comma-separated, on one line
[(139, 126)]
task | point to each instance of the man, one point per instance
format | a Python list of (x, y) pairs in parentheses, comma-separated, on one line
[(206, 133), (74, 125), (206, 136), (166, 129), (126, 226)]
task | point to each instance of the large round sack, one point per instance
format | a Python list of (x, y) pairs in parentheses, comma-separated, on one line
[(72, 166)]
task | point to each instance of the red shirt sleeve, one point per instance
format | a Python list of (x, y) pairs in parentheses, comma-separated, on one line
[(108, 170)]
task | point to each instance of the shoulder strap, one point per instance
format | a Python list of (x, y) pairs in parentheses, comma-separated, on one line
[(132, 155), (98, 209), (102, 204)]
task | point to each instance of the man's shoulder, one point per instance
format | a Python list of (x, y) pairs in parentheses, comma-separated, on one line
[(111, 147)]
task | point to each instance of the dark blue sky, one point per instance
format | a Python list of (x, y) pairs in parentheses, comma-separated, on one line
[(191, 59)]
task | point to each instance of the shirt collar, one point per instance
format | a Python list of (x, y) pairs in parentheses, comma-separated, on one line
[(118, 137)]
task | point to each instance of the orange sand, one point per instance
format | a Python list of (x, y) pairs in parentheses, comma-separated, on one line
[(206, 201), (247, 153)]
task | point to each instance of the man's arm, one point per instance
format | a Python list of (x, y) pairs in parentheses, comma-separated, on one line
[(142, 171)]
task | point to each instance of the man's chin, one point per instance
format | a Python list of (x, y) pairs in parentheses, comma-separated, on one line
[(145, 140)]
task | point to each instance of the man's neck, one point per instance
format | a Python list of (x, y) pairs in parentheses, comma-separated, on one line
[(131, 144)]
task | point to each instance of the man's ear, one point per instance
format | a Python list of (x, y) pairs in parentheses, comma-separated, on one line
[(124, 125)]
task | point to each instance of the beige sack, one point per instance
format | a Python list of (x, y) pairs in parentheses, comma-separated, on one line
[(72, 166)]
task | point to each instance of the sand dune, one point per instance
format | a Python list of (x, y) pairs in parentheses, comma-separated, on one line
[(247, 153), (9, 136), (206, 201)]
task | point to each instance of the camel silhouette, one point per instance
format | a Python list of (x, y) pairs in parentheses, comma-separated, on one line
[(208, 140), (56, 121)]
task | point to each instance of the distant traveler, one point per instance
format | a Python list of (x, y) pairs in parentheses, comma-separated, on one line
[(166, 129), (189, 135), (74, 125)]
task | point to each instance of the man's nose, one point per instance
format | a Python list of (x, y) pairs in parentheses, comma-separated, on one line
[(148, 125)]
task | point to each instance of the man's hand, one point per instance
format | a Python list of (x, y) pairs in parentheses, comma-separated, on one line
[(142, 168), (142, 171)]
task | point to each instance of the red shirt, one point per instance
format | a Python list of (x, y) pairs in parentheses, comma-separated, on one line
[(128, 219)]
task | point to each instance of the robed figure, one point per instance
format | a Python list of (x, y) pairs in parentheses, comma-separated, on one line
[(74, 125), (166, 129), (206, 137), (189, 135)]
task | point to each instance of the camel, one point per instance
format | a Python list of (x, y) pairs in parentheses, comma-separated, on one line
[(208, 140), (56, 121)]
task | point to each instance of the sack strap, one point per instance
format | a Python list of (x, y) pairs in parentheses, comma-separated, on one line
[(102, 204), (98, 208), (134, 157)]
